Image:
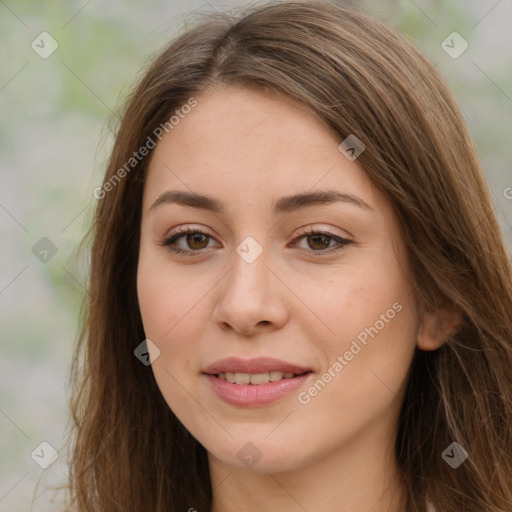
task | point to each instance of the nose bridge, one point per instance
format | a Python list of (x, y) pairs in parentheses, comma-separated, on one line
[(247, 297), (250, 272)]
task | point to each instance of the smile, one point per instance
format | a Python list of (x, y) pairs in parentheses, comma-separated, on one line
[(254, 382), (256, 379)]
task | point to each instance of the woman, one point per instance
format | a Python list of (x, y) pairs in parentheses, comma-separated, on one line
[(299, 296)]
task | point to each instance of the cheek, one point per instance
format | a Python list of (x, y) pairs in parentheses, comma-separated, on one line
[(174, 316), (166, 296), (358, 300), (170, 322), (365, 367), (376, 323), (155, 304), (366, 361)]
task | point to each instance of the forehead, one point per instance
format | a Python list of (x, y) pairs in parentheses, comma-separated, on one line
[(233, 120), (242, 145)]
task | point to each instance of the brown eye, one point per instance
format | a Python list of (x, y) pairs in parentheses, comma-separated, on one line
[(194, 241), (197, 241), (319, 241)]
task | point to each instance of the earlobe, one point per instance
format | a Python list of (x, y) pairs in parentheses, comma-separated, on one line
[(436, 327)]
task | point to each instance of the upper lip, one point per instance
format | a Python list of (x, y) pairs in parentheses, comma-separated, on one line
[(256, 365)]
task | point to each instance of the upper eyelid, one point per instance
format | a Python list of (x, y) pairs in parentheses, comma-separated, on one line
[(186, 229)]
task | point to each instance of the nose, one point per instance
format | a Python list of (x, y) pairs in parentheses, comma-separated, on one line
[(251, 298)]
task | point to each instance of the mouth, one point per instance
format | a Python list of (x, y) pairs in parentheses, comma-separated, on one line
[(256, 379), (254, 382), (258, 365)]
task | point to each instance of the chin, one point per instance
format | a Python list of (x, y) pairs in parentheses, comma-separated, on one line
[(258, 454)]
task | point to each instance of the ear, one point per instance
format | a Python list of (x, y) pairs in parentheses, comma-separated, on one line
[(436, 327)]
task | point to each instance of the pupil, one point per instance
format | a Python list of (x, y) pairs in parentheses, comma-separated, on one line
[(317, 237), (195, 238)]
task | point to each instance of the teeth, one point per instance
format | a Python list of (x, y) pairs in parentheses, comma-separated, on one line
[(242, 378), (273, 376), (260, 378), (255, 378)]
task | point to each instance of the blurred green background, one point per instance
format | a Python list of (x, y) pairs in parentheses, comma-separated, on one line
[(58, 115)]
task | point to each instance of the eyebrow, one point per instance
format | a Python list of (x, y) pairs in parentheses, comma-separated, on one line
[(285, 204)]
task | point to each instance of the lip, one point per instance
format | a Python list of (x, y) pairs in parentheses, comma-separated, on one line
[(250, 395), (256, 365)]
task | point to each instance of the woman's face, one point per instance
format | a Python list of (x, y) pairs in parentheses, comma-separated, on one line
[(297, 297)]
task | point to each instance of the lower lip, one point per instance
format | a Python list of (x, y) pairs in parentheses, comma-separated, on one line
[(250, 395)]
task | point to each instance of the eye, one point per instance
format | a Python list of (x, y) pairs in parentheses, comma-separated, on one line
[(194, 238), (196, 241), (320, 240)]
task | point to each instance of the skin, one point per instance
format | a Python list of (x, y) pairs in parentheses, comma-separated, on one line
[(334, 453)]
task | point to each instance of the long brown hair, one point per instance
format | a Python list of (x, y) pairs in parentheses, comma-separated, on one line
[(358, 76)]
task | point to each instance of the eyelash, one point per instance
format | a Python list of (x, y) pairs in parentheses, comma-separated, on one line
[(186, 230)]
